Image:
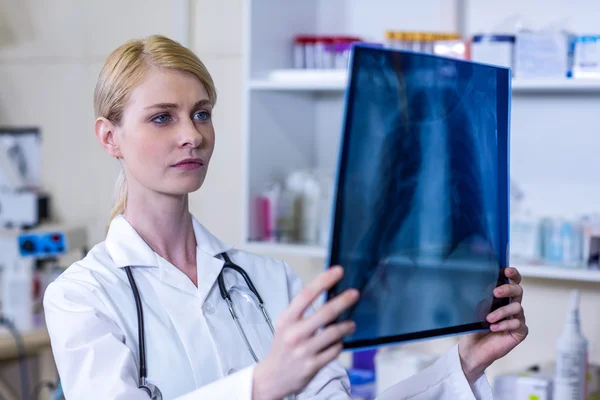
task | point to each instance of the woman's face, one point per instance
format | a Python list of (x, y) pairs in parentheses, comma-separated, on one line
[(166, 137)]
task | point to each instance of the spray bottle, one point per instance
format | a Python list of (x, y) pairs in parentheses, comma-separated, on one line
[(572, 357)]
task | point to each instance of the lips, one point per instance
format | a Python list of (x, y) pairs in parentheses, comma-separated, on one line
[(189, 164)]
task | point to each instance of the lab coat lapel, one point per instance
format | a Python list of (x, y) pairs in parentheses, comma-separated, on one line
[(208, 268), (126, 247), (207, 264), (174, 277)]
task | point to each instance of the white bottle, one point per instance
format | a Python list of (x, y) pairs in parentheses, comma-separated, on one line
[(310, 211), (571, 357)]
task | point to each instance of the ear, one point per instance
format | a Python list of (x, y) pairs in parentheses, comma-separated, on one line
[(105, 133)]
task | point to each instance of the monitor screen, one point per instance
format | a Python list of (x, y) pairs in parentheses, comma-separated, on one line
[(420, 218)]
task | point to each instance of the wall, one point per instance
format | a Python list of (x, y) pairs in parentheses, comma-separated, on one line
[(50, 55), (52, 51)]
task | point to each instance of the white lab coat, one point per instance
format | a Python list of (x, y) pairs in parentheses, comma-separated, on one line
[(194, 350)]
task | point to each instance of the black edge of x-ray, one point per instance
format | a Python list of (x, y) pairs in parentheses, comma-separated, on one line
[(498, 219)]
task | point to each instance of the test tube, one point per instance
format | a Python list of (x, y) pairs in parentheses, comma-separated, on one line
[(390, 39)]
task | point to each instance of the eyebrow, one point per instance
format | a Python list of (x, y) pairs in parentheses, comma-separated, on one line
[(173, 106)]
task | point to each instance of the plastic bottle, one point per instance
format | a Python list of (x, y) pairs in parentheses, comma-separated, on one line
[(268, 206), (310, 211), (571, 357)]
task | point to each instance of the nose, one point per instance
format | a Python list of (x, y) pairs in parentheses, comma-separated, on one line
[(190, 135)]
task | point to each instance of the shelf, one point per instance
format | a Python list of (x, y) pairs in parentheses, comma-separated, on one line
[(336, 80), (526, 270), (303, 80), (556, 85), (559, 273), (287, 248)]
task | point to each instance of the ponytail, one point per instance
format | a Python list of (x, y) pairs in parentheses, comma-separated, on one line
[(120, 199)]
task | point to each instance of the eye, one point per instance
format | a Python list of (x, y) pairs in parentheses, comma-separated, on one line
[(161, 119), (202, 115)]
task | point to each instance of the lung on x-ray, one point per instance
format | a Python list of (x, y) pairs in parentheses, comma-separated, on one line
[(420, 219)]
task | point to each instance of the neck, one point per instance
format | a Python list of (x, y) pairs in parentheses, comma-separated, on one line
[(165, 224)]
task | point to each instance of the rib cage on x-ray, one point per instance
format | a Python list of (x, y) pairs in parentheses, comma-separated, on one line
[(419, 232)]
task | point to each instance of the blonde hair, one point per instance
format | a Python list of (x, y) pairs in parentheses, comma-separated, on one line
[(125, 68)]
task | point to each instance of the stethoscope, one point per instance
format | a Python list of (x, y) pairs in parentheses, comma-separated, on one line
[(152, 390)]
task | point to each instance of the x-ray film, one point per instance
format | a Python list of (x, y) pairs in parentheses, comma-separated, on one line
[(421, 213)]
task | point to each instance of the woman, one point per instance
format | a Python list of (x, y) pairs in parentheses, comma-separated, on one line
[(153, 102)]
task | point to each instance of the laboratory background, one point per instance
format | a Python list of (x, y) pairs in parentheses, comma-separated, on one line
[(280, 73)]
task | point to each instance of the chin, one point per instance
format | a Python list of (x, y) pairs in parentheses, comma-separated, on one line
[(181, 188), (187, 189)]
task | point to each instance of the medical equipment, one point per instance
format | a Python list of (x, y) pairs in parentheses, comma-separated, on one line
[(24, 209), (22, 204), (20, 251), (153, 390), (52, 240)]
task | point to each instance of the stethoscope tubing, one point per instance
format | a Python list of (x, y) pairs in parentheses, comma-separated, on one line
[(143, 374), (141, 329)]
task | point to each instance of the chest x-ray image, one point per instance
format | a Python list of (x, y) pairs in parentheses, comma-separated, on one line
[(421, 202)]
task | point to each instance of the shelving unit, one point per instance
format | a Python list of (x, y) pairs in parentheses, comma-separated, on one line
[(295, 116), (336, 80), (559, 273), (303, 80), (285, 248), (565, 86), (537, 271)]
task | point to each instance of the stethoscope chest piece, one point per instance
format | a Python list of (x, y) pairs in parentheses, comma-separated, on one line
[(153, 391)]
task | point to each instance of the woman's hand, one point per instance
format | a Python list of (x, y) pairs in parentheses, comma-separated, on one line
[(299, 349), (478, 351)]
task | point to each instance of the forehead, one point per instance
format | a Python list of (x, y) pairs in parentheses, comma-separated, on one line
[(161, 85)]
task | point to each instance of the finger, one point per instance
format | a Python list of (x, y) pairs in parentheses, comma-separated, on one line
[(328, 312), (326, 280), (327, 356), (511, 310), (513, 274), (329, 336), (508, 325), (511, 290)]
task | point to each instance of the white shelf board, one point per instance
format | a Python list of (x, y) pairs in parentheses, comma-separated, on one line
[(526, 270), (286, 248), (558, 273), (304, 80), (336, 80), (556, 85)]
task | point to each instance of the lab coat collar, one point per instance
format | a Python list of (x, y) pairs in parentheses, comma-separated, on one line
[(127, 248)]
